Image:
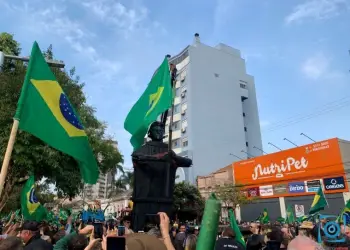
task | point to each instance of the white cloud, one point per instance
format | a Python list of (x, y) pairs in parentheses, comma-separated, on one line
[(51, 21), (318, 67), (117, 14), (316, 9)]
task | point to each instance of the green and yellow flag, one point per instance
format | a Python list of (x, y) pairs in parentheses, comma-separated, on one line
[(319, 202), (44, 111), (265, 217), (345, 213), (239, 237), (290, 215), (155, 100), (31, 207)]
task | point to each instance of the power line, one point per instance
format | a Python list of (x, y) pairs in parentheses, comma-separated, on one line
[(327, 108)]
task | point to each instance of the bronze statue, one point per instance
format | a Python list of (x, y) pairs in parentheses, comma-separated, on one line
[(154, 173)]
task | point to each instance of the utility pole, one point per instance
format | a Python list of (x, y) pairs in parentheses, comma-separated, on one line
[(3, 57)]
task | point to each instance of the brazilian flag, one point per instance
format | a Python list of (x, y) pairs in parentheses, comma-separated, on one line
[(235, 228), (345, 214), (44, 111), (319, 202), (156, 99), (31, 207), (290, 215)]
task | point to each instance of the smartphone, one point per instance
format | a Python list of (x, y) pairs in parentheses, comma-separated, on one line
[(153, 219), (114, 242), (98, 230), (121, 231)]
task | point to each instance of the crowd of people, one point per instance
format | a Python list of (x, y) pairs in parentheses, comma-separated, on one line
[(75, 235)]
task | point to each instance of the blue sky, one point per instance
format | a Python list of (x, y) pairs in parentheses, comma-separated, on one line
[(296, 50)]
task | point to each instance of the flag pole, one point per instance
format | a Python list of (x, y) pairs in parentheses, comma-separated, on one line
[(173, 77), (8, 153), (173, 85)]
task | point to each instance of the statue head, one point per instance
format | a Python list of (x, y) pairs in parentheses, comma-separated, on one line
[(156, 131)]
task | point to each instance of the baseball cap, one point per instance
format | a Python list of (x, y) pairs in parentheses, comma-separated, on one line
[(30, 225), (144, 242), (196, 227)]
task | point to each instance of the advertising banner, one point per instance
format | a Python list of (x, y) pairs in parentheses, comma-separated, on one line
[(296, 171), (253, 192), (280, 189), (296, 187), (313, 186), (336, 183), (266, 190)]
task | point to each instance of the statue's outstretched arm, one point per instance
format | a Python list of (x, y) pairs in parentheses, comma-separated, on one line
[(137, 157), (181, 161)]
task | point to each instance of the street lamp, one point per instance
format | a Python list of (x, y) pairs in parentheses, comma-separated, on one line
[(285, 139), (236, 156), (307, 137), (52, 63), (260, 150), (274, 146), (247, 153)]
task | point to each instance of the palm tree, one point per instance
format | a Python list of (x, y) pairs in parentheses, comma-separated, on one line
[(125, 181), (114, 172)]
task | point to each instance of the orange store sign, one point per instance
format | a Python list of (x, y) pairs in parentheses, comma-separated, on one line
[(313, 161), (285, 167)]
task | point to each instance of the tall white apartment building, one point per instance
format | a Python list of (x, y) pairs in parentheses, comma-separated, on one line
[(101, 189), (216, 112)]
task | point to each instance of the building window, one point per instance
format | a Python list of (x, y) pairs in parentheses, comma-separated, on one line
[(243, 114), (246, 143), (176, 143), (245, 129), (184, 142), (176, 109), (177, 91), (243, 86), (176, 125)]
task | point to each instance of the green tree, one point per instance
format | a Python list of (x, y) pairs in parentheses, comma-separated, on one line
[(31, 155), (8, 45), (232, 195), (187, 197), (124, 182)]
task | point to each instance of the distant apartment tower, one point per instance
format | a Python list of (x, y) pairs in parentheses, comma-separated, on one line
[(216, 112), (101, 189)]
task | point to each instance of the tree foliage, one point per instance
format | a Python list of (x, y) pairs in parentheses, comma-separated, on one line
[(232, 195), (31, 155), (187, 197), (124, 182)]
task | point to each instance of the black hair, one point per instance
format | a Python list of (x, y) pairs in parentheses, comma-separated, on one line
[(78, 242), (254, 243)]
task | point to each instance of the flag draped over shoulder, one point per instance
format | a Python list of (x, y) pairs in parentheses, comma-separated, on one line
[(31, 207), (319, 202), (155, 100), (265, 217), (44, 111)]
